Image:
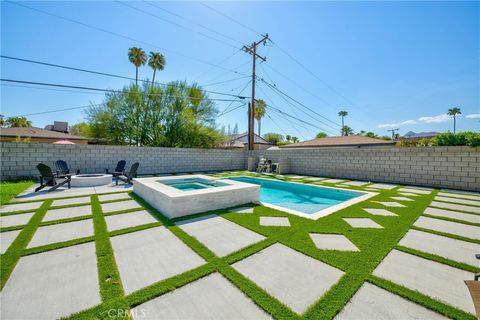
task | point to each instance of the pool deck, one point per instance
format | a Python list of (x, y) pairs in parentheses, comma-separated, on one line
[(402, 253)]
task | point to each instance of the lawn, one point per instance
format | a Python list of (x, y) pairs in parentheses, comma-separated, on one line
[(374, 245)]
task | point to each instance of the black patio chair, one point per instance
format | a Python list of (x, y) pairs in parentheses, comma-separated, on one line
[(62, 168), (128, 175), (119, 169), (48, 178)]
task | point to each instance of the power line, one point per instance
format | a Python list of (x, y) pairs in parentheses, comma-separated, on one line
[(59, 110), (241, 91), (194, 22), (105, 90), (298, 119), (119, 35), (275, 88), (279, 127), (231, 19), (231, 110), (225, 81), (302, 125), (47, 89), (95, 72), (311, 73), (296, 107), (174, 23)]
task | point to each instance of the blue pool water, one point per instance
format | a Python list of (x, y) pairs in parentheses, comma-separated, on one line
[(299, 197)]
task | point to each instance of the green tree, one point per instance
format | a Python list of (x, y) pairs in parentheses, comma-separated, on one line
[(156, 61), (321, 135), (347, 131), (259, 112), (18, 122), (177, 115), (80, 129), (295, 139), (453, 113), (288, 138), (343, 114), (274, 138), (138, 57)]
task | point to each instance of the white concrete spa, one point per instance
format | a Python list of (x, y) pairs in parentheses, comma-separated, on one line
[(176, 203)]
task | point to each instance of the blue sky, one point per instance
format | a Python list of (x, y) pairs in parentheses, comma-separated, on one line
[(389, 64)]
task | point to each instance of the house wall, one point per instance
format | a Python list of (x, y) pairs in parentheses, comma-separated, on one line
[(443, 167), (20, 159), (41, 140)]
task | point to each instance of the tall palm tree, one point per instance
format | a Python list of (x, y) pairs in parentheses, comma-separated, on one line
[(343, 114), (138, 57), (156, 61), (259, 112), (453, 113)]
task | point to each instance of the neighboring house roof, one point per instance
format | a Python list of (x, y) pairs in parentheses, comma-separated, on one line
[(342, 141), (413, 135), (239, 140), (34, 132)]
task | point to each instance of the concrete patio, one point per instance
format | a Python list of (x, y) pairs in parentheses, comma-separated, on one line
[(240, 263)]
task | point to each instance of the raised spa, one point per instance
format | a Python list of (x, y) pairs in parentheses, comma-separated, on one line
[(177, 196)]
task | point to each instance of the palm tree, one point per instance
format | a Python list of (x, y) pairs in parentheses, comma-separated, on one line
[(343, 114), (259, 112), (453, 113), (288, 137), (138, 57), (347, 131), (295, 139), (156, 61)]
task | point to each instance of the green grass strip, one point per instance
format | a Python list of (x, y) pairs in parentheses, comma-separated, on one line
[(448, 235), (14, 252), (421, 299), (440, 259), (452, 220), (108, 275)]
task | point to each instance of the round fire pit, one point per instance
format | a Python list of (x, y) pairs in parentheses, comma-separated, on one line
[(91, 180)]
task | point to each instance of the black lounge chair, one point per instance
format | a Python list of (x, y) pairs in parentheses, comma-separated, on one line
[(48, 178), (128, 175), (62, 168), (119, 169)]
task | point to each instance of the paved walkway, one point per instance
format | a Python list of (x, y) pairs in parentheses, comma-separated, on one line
[(64, 274)]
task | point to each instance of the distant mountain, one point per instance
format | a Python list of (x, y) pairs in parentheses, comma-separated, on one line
[(414, 135)]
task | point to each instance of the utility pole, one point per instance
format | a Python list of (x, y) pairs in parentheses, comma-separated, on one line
[(393, 132), (252, 49)]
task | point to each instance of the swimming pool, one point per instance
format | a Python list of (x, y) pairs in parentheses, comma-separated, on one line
[(304, 200)]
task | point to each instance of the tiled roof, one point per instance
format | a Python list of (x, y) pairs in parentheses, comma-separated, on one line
[(34, 132), (342, 141)]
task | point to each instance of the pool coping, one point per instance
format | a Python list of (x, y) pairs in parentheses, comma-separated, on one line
[(321, 213)]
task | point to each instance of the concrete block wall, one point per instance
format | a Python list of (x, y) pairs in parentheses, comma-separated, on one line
[(20, 159), (442, 167)]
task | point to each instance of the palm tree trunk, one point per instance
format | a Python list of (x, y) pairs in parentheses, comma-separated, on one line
[(454, 124), (136, 76), (153, 79), (343, 125), (259, 126)]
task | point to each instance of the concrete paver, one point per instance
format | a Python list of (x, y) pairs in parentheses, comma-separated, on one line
[(332, 242), (431, 278), (219, 235), (211, 297), (52, 284), (151, 255), (293, 278)]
